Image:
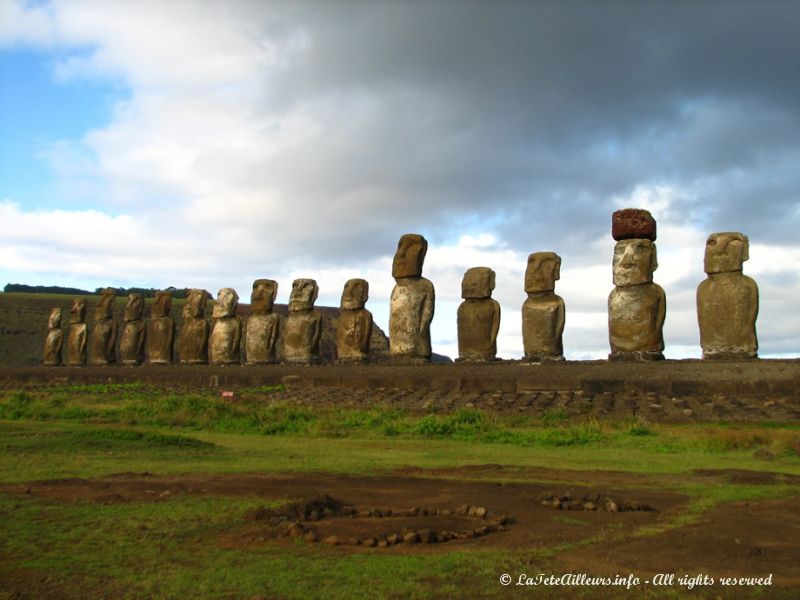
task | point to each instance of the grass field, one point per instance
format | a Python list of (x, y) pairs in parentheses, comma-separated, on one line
[(172, 548)]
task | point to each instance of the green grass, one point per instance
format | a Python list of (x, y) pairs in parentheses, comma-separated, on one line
[(94, 430)]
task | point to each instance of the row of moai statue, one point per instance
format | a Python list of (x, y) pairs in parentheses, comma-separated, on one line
[(727, 307), (220, 343)]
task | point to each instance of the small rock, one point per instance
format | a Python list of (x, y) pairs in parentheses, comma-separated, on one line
[(411, 538), (313, 516), (480, 512), (394, 539), (383, 543), (425, 536), (369, 542), (688, 412), (481, 531), (332, 540), (311, 537), (462, 509), (165, 494), (445, 512), (327, 512), (611, 506), (471, 511), (294, 530), (589, 506)]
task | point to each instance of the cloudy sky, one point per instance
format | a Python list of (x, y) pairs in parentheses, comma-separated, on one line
[(207, 144)]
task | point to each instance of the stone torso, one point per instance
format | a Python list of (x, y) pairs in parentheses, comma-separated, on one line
[(727, 306), (543, 326), (223, 347), (353, 331), (478, 323), (301, 336), (410, 318), (193, 342), (131, 344), (76, 344), (636, 318), (52, 347), (160, 335), (262, 334), (102, 344)]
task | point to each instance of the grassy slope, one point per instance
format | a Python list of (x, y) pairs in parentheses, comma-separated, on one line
[(96, 430)]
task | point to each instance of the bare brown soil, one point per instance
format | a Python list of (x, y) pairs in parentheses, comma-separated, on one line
[(645, 536)]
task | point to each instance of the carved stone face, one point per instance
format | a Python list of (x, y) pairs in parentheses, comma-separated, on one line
[(544, 269), (410, 255), (54, 322), (195, 305), (355, 294), (726, 252), (634, 262), (304, 294), (478, 282), (77, 314), (162, 305), (263, 296), (134, 307), (105, 307), (227, 302)]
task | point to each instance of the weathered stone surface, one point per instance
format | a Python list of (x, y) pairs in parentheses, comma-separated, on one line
[(303, 326), (226, 334), (412, 302), (262, 324), (131, 345), (727, 301), (54, 340), (161, 330), (193, 337), (354, 326), (76, 337), (636, 306), (633, 223), (102, 343), (543, 313), (478, 317)]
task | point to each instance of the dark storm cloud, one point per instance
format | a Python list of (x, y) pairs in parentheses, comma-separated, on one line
[(531, 117)]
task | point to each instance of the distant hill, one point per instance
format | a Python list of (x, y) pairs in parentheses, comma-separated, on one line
[(177, 293), (23, 325)]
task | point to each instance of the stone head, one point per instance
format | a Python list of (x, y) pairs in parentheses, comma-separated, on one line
[(162, 305), (478, 282), (304, 294), (410, 255), (77, 314), (726, 252), (134, 307), (54, 321), (227, 302), (544, 269), (263, 296), (195, 305), (105, 306), (634, 262), (355, 294)]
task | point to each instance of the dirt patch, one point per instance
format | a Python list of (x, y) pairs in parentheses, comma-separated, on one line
[(446, 508)]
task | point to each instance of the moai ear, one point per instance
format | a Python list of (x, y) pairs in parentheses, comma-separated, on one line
[(557, 270), (492, 277), (315, 294), (745, 248), (654, 258)]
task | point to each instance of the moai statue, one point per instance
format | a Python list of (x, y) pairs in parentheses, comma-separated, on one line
[(412, 302), (103, 339), (226, 334), (543, 312), (478, 316), (636, 306), (727, 301), (131, 344), (262, 324), (54, 339), (77, 333), (354, 327), (160, 330), (303, 326), (193, 338)]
